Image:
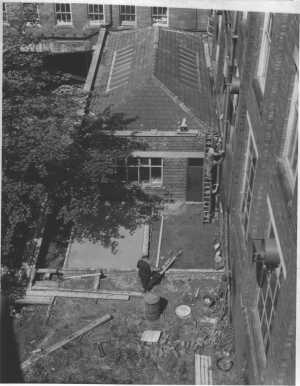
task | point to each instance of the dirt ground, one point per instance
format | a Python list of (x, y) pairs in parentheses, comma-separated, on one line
[(127, 359), (183, 229)]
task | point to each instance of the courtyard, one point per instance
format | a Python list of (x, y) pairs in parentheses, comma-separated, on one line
[(126, 358)]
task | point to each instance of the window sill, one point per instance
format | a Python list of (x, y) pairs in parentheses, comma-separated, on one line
[(128, 23), (160, 24), (96, 23), (151, 186), (68, 25)]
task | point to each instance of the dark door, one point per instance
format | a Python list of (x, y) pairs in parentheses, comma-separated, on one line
[(194, 179)]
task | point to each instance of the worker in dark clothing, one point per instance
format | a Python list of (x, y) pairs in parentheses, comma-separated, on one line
[(213, 158), (148, 277)]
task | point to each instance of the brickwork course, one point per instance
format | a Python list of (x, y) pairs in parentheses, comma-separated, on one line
[(268, 115)]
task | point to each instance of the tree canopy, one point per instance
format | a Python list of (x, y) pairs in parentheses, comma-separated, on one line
[(57, 158)]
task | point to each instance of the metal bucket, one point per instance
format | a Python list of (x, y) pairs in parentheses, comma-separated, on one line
[(152, 306)]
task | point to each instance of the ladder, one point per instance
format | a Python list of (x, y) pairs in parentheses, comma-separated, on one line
[(207, 182)]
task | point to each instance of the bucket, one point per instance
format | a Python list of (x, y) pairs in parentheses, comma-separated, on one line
[(152, 306)]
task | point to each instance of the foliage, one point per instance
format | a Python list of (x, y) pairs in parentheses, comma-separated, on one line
[(54, 154)]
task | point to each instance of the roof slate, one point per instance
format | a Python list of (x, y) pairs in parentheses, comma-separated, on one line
[(164, 80)]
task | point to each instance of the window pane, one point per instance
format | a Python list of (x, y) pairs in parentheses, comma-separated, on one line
[(264, 327), (132, 161), (156, 175), (145, 174), (260, 306), (144, 161), (133, 174), (156, 161), (269, 306)]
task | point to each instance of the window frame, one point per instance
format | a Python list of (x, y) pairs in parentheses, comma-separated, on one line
[(121, 13), (264, 51), (4, 13), (248, 183), (139, 165), (291, 139), (98, 21), (158, 22), (269, 295), (63, 23)]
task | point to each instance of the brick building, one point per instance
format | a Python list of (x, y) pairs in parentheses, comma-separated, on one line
[(150, 64), (73, 27), (255, 58), (157, 78)]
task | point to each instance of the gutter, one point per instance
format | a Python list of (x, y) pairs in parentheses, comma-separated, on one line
[(227, 93), (90, 79)]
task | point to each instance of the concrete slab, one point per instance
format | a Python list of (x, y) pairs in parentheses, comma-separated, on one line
[(87, 254)]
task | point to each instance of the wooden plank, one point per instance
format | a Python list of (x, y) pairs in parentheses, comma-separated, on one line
[(197, 369), (83, 275), (104, 292), (63, 342), (41, 284), (159, 240), (169, 262), (66, 293), (35, 300), (203, 371)]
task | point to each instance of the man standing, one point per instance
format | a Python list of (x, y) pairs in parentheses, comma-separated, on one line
[(148, 277)]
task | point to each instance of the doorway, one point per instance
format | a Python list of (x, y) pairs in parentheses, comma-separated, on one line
[(194, 180)]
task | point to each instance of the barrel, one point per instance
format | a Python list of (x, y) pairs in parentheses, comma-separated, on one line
[(152, 306)]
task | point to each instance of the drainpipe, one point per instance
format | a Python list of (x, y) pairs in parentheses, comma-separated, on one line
[(228, 85)]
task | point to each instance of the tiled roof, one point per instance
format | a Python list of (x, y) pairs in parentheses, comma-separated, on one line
[(155, 76)]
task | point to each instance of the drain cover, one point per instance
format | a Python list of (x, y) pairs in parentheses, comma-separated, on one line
[(183, 311)]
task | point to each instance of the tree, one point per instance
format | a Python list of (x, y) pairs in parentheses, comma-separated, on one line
[(54, 153)]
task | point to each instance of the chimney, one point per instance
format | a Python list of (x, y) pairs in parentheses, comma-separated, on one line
[(183, 125)]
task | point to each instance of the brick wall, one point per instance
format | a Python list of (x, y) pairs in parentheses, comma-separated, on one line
[(176, 143), (174, 169), (174, 180), (268, 116), (180, 18)]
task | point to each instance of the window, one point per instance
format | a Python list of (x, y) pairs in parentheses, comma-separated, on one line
[(127, 14), (144, 171), (290, 152), (251, 161), (31, 14), (264, 52), (63, 13), (4, 12), (96, 13), (268, 293), (159, 15)]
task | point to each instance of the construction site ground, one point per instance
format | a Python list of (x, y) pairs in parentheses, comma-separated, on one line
[(127, 359), (183, 229)]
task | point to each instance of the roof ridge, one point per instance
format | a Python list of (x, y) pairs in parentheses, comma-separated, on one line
[(179, 103)]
